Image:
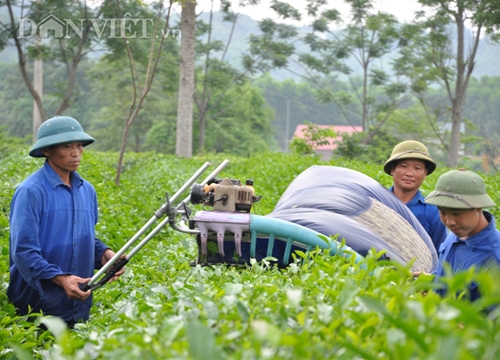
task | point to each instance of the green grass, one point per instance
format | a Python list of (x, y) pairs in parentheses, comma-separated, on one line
[(162, 308)]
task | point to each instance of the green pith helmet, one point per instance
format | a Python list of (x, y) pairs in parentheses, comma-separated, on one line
[(410, 149), (59, 130), (460, 189)]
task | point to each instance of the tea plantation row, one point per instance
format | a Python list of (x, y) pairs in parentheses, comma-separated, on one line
[(162, 308)]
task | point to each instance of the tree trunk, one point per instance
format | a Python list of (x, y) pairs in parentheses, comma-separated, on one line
[(364, 116), (201, 140), (465, 66), (22, 67), (35, 86), (66, 101), (136, 105), (184, 137), (119, 167), (456, 122), (38, 87), (457, 102)]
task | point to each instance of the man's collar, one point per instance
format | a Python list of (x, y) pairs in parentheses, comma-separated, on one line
[(418, 197), (54, 179), (477, 239)]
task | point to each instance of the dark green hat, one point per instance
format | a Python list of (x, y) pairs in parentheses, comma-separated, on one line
[(410, 149), (59, 130), (460, 189)]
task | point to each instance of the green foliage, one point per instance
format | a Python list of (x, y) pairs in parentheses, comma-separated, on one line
[(432, 56), (162, 308), (293, 103), (113, 97), (6, 140), (139, 32), (16, 104), (366, 38), (314, 137), (351, 146), (103, 89), (376, 151), (230, 113), (244, 127)]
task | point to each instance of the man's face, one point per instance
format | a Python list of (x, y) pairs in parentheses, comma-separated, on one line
[(409, 174), (462, 222), (64, 157)]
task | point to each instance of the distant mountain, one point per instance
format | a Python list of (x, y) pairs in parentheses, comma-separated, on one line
[(487, 55), (486, 58), (245, 27)]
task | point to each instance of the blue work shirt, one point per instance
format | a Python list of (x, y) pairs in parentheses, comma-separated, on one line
[(480, 250), (52, 233), (428, 216)]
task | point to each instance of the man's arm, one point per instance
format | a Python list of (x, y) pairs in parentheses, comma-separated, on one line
[(438, 231)]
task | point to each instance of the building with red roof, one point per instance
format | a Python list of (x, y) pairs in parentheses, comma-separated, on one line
[(326, 151)]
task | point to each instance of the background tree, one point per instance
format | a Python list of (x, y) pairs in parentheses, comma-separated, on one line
[(154, 127), (225, 93), (352, 147), (217, 79), (368, 38), (482, 108), (184, 134), (68, 50), (448, 55), (242, 129), (295, 102), (143, 58), (16, 102), (313, 137)]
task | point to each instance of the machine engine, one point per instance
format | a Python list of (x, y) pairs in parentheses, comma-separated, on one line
[(226, 195)]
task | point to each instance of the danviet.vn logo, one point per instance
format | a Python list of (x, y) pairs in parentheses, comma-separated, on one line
[(112, 28)]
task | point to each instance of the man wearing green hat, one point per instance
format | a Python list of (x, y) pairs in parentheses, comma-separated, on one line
[(53, 249), (474, 239), (408, 165)]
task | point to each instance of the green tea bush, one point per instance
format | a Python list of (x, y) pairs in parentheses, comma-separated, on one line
[(322, 307)]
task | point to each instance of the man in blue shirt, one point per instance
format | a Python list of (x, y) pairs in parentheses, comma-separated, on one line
[(409, 164), (474, 239), (53, 249)]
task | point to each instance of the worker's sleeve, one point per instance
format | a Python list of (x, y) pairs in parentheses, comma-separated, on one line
[(25, 249), (437, 230), (100, 247)]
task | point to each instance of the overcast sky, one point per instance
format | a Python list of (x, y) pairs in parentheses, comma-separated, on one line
[(404, 10)]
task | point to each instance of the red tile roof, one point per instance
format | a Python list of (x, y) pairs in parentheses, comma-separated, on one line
[(339, 129)]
